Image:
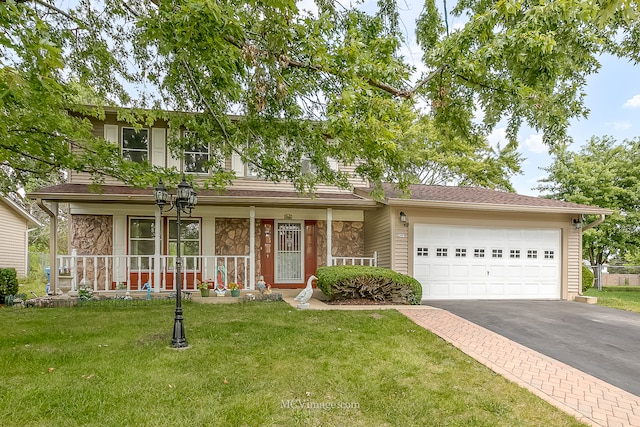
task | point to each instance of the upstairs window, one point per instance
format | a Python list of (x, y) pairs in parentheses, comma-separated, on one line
[(135, 145), (196, 154)]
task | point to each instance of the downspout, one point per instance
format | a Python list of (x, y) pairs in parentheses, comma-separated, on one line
[(26, 242), (586, 227), (53, 243), (594, 223)]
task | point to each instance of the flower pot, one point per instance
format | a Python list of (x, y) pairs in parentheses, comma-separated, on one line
[(204, 292), (235, 293)]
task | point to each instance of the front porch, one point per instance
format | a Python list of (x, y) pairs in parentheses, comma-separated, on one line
[(126, 273)]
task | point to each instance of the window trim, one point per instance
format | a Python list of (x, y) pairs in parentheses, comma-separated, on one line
[(147, 151), (168, 240), (207, 145)]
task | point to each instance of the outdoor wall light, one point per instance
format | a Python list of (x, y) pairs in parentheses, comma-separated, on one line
[(577, 223), (184, 202), (403, 217)]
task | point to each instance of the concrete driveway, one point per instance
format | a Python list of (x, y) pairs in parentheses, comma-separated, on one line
[(600, 341)]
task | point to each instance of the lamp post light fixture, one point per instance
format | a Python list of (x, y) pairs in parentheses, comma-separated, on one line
[(184, 202)]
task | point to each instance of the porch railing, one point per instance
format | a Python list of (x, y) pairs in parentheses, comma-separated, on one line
[(350, 260), (131, 272)]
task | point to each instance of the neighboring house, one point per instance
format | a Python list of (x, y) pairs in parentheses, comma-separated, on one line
[(15, 224), (458, 242)]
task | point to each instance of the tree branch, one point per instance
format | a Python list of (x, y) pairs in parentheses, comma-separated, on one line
[(289, 62)]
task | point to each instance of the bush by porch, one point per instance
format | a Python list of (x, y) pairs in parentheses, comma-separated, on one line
[(372, 283)]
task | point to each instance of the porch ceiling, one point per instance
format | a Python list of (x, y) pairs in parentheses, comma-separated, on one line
[(236, 197)]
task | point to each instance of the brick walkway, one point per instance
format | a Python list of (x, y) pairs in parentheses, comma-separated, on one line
[(589, 399)]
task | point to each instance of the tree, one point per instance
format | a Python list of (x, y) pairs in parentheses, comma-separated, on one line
[(603, 173), (324, 84)]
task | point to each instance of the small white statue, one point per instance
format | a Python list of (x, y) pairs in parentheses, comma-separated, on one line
[(305, 295)]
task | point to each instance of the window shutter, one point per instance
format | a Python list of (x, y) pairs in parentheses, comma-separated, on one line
[(236, 165), (111, 133), (158, 146)]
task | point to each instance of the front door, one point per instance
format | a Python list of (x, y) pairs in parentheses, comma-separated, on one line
[(289, 255)]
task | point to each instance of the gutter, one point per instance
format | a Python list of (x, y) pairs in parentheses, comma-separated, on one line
[(490, 207), (594, 223)]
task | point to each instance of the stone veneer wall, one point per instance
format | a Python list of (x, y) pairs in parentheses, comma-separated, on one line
[(92, 235), (347, 238)]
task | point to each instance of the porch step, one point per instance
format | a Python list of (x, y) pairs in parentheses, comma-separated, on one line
[(586, 299)]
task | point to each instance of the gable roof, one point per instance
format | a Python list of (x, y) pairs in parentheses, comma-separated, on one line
[(477, 198), (17, 208)]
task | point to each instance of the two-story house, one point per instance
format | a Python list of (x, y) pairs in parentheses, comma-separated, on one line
[(459, 242)]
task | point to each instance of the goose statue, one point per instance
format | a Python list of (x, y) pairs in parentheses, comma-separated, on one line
[(305, 295)]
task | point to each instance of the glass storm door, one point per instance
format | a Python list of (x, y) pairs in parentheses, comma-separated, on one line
[(289, 254)]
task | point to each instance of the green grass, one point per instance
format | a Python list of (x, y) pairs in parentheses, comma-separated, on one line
[(621, 297), (34, 282), (249, 365)]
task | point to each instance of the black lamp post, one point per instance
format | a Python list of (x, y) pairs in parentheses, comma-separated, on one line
[(184, 201)]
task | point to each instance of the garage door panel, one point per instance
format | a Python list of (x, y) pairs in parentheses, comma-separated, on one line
[(487, 263), (460, 271)]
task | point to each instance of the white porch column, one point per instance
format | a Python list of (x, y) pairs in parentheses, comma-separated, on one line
[(329, 231), (157, 253), (252, 247)]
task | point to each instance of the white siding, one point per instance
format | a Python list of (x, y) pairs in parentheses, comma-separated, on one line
[(13, 246), (377, 235)]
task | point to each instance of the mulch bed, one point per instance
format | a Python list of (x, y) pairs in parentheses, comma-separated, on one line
[(359, 301)]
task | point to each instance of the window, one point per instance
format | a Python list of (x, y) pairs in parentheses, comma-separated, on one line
[(514, 253), (142, 233), (442, 252), (422, 252), (461, 253), (548, 254), (532, 254), (478, 253), (196, 154), (496, 253), (189, 243), (135, 145)]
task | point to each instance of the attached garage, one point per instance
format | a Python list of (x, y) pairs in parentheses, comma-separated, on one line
[(476, 243), (456, 262)]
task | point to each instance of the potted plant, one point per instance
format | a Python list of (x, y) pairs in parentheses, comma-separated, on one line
[(235, 289), (204, 288)]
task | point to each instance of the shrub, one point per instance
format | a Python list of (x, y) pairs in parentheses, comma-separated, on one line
[(375, 283), (587, 278), (8, 282)]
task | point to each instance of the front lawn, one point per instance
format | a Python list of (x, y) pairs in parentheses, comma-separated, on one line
[(621, 297), (255, 364)]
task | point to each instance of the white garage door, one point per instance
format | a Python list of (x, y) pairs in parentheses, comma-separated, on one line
[(453, 262)]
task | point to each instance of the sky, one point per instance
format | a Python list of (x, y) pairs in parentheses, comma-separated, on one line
[(612, 96)]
